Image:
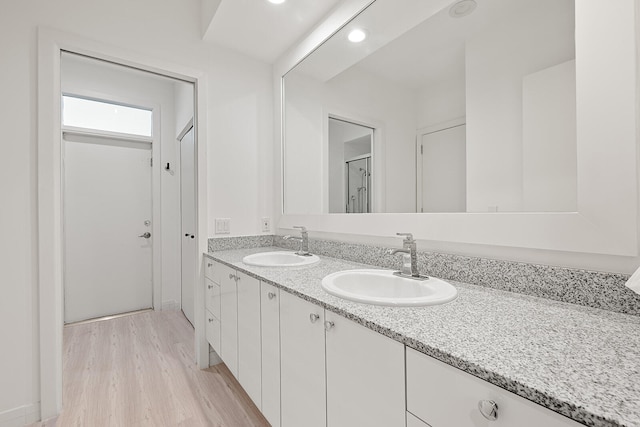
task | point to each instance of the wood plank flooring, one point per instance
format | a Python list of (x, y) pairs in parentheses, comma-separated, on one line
[(140, 370)]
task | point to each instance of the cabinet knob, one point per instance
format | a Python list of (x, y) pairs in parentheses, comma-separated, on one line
[(328, 325), (210, 286), (233, 276), (488, 409), (271, 295), (209, 264), (314, 317), (210, 320)]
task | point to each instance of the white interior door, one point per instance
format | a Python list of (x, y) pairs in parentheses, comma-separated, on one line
[(188, 215), (443, 170), (107, 206)]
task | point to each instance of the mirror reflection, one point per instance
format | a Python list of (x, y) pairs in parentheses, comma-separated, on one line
[(350, 167), (469, 108)]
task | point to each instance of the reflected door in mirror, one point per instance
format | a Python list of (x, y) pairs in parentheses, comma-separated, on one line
[(442, 176)]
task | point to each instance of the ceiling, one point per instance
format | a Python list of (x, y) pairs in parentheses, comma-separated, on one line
[(263, 30), (431, 51), (422, 44)]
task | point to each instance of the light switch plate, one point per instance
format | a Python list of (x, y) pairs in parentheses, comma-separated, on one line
[(223, 225)]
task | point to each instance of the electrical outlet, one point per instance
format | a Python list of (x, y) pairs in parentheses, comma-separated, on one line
[(223, 225), (266, 224)]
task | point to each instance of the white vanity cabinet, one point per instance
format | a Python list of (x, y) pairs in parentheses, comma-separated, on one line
[(212, 305), (249, 347), (336, 373), (443, 396), (306, 366), (229, 318), (303, 392), (234, 304), (270, 328), (365, 376)]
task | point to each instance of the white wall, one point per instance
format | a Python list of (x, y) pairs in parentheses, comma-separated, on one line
[(240, 116)]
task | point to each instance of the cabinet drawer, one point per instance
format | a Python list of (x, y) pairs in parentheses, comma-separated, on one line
[(212, 330), (212, 298), (210, 269), (444, 396), (413, 421)]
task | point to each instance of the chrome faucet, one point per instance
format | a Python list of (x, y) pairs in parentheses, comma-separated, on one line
[(304, 240), (408, 247)]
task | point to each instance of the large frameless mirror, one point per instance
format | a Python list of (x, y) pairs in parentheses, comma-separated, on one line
[(469, 109)]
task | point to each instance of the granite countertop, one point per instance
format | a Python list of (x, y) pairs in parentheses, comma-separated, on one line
[(581, 362)]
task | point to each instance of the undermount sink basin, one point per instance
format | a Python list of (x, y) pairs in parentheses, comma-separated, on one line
[(382, 287), (280, 259)]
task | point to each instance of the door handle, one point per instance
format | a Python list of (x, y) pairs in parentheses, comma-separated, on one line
[(145, 235)]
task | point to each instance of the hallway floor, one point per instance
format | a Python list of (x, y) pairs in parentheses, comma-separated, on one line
[(139, 370)]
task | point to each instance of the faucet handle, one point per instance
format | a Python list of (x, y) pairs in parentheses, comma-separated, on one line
[(301, 227), (408, 237)]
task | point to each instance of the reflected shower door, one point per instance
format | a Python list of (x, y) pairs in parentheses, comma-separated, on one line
[(358, 185)]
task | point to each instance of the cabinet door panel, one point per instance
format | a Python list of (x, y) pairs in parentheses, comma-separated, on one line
[(270, 325), (302, 363), (444, 396), (212, 330), (229, 319), (210, 269), (249, 352), (365, 376), (212, 293)]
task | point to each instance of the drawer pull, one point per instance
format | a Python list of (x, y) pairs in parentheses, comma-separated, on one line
[(210, 286), (328, 325), (314, 317), (209, 264), (271, 295), (210, 320), (488, 409)]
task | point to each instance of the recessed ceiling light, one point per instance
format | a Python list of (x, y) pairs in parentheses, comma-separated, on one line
[(277, 1), (356, 36), (462, 8)]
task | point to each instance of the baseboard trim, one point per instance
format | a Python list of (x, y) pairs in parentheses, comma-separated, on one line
[(20, 416), (214, 359), (170, 305)]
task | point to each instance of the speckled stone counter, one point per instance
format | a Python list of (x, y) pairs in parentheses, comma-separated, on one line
[(579, 361)]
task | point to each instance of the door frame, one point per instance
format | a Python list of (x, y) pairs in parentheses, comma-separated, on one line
[(156, 182), (378, 153), (50, 45), (185, 130)]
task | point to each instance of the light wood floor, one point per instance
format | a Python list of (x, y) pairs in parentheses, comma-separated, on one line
[(140, 370)]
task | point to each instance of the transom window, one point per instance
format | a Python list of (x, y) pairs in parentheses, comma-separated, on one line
[(106, 116)]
